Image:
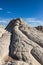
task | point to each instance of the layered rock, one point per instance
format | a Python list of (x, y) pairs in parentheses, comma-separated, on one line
[(38, 54), (24, 38), (29, 31), (25, 45), (4, 46)]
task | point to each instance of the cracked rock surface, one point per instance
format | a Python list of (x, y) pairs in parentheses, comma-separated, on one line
[(21, 44)]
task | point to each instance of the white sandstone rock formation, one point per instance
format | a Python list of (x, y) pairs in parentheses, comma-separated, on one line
[(24, 44)]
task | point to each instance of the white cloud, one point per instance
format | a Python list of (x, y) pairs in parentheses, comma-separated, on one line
[(4, 22), (1, 8), (33, 21)]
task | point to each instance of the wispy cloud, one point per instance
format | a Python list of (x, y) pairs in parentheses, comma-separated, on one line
[(9, 12), (33, 21), (4, 22), (1, 9)]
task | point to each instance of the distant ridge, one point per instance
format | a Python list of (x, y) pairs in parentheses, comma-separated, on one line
[(40, 28)]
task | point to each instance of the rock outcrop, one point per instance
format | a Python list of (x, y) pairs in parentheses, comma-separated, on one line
[(4, 46), (40, 28), (25, 44)]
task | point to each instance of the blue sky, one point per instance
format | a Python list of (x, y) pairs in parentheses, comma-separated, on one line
[(30, 10)]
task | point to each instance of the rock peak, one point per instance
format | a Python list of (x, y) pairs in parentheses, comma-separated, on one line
[(21, 44), (12, 23)]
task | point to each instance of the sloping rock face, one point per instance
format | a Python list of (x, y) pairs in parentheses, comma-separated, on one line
[(40, 28), (4, 45), (24, 42)]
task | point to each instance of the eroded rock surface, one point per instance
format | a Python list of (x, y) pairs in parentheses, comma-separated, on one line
[(4, 46), (26, 44)]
